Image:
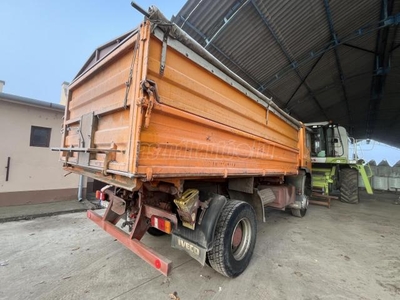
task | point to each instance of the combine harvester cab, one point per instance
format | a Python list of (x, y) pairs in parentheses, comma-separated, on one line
[(335, 162), (184, 146)]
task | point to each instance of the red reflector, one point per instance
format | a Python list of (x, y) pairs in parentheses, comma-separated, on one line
[(157, 264)]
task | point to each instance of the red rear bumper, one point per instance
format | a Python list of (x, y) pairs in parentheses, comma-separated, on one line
[(159, 262)]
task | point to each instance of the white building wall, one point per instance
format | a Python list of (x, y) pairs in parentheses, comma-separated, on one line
[(31, 168)]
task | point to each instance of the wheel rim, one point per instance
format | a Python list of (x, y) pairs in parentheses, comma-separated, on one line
[(241, 239)]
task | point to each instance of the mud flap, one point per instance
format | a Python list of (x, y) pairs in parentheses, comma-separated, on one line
[(195, 251), (197, 242)]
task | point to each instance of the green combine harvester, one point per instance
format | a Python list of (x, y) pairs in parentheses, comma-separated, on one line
[(335, 163)]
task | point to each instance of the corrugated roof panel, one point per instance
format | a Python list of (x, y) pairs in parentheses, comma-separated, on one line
[(266, 58), (359, 93), (202, 18), (367, 42), (234, 67), (285, 87), (340, 118), (208, 16), (186, 11), (301, 28), (314, 113), (325, 72), (329, 99), (355, 62), (389, 112), (349, 16), (299, 34), (306, 102), (301, 98)]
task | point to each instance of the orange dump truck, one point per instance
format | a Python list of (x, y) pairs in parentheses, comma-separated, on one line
[(184, 146)]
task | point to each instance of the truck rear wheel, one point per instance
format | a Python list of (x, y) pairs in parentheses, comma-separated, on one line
[(234, 239), (299, 212), (349, 185)]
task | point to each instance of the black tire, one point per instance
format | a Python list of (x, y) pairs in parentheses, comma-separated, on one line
[(208, 262), (299, 212), (225, 257), (349, 186), (155, 232)]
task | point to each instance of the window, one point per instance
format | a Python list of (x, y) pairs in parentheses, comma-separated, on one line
[(40, 136)]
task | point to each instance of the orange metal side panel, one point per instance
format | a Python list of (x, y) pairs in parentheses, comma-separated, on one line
[(305, 151), (98, 94), (179, 144), (189, 87), (201, 127), (204, 127)]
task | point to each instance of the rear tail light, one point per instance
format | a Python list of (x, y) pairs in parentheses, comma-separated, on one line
[(161, 224), (101, 196)]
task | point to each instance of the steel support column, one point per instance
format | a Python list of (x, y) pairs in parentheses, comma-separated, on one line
[(380, 68), (335, 41), (394, 46)]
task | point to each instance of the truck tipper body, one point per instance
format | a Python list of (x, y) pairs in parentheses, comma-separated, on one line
[(184, 146)]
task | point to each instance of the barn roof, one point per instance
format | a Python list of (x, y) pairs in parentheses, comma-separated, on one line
[(320, 60)]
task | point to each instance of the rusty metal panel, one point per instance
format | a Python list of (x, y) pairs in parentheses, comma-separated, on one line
[(153, 258), (204, 127), (284, 195), (200, 124), (101, 112), (105, 91)]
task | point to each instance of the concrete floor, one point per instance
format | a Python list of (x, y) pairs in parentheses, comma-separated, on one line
[(346, 252)]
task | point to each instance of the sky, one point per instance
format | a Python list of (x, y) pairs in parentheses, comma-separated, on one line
[(378, 152), (46, 42)]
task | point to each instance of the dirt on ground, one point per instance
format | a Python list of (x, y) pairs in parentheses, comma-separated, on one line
[(345, 252)]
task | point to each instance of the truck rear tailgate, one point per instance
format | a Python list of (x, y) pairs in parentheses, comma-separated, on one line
[(99, 116)]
